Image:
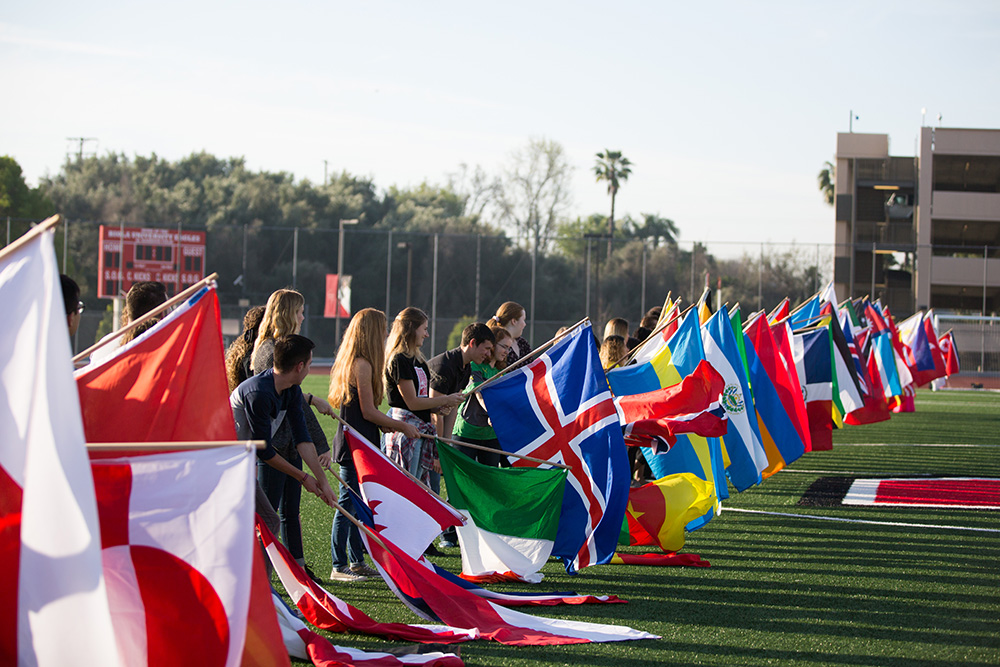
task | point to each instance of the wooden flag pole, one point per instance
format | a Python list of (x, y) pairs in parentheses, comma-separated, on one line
[(361, 526), (531, 356), (631, 353), (402, 470), (458, 443), (179, 298), (30, 235), (183, 445), (665, 308)]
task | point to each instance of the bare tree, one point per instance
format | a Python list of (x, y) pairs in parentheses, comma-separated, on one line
[(534, 190)]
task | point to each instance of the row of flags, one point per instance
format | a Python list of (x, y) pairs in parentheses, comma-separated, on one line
[(150, 545), (146, 556)]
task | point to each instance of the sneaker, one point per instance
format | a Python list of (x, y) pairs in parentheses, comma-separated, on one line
[(363, 570), (449, 544), (345, 574)]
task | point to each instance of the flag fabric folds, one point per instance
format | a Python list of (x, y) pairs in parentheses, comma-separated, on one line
[(405, 510), (690, 406), (53, 600), (558, 408), (177, 538), (164, 385), (742, 437), (303, 643), (781, 441), (659, 511), (326, 611), (513, 516), (438, 600), (950, 353), (813, 357)]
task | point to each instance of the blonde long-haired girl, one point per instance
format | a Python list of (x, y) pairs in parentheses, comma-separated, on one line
[(357, 387)]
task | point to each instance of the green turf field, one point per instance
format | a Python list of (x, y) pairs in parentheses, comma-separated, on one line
[(786, 590)]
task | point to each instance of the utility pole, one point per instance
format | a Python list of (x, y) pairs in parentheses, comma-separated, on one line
[(81, 141)]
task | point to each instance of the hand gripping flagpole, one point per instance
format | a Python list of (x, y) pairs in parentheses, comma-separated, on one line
[(179, 298), (458, 443)]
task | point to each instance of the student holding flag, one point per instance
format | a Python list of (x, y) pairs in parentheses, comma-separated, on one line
[(357, 388)]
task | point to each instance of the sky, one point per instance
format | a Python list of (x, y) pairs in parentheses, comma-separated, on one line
[(727, 110)]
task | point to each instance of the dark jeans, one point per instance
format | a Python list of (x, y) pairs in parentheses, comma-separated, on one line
[(486, 458), (285, 495), (345, 538)]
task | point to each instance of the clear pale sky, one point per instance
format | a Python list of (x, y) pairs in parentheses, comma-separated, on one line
[(727, 109)]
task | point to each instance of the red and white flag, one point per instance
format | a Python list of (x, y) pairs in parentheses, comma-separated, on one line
[(303, 643), (405, 511), (53, 601), (433, 597), (177, 533), (328, 612)]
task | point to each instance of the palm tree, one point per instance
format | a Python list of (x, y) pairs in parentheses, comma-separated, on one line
[(612, 167), (826, 179)]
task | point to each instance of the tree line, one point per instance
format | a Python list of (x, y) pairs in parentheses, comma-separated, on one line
[(490, 225)]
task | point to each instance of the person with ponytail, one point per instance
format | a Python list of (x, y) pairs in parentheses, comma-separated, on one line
[(513, 317)]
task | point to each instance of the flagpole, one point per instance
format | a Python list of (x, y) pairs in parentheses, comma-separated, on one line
[(665, 308), (457, 443), (148, 316), (343, 483), (531, 356), (337, 506), (30, 235), (402, 470), (631, 353), (181, 445)]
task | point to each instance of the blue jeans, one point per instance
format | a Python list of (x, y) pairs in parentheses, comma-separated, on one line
[(345, 538), (285, 495)]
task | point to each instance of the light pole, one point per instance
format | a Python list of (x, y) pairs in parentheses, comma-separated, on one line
[(409, 268), (340, 269)]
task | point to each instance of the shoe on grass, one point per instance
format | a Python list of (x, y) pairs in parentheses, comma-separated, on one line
[(449, 544), (363, 570), (344, 574)]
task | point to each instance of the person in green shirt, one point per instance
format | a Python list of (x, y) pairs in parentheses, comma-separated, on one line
[(472, 425)]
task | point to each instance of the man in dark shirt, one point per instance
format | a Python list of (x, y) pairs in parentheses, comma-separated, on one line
[(260, 404), (450, 370), (450, 373)]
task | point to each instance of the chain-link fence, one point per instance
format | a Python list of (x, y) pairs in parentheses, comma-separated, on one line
[(456, 278)]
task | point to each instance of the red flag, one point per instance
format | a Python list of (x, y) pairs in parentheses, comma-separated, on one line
[(875, 409), (785, 383), (687, 407), (950, 354), (923, 377), (168, 384)]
